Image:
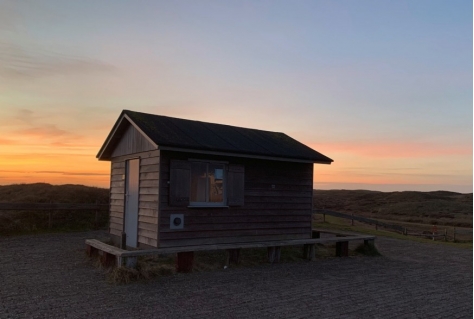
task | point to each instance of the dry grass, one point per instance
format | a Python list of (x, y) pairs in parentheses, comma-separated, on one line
[(21, 222), (367, 250), (341, 224), (154, 267), (145, 270), (47, 193), (439, 208)]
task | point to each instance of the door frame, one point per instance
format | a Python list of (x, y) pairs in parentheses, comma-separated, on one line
[(127, 177)]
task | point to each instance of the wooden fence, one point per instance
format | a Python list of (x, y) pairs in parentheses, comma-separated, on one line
[(361, 219), (397, 228), (51, 208)]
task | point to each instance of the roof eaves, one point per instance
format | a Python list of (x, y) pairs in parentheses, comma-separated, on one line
[(110, 136), (112, 133), (246, 155), (141, 131)]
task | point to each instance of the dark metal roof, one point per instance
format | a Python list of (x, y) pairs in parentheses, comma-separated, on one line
[(202, 136)]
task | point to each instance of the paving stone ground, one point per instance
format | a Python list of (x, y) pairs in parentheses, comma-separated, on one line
[(48, 276)]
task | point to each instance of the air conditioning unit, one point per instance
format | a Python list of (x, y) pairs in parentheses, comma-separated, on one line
[(176, 221)]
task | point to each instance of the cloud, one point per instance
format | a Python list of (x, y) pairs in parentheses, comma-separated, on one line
[(21, 57), (26, 116), (5, 141), (9, 15), (56, 172), (392, 149), (19, 62), (37, 156), (391, 187), (44, 131), (32, 131), (69, 145), (72, 173)]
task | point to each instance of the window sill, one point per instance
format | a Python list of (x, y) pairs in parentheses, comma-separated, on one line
[(208, 206)]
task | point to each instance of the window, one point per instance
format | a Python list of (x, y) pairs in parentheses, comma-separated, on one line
[(207, 183)]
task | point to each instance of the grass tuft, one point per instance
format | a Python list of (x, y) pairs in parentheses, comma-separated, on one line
[(367, 250), (147, 268), (123, 275)]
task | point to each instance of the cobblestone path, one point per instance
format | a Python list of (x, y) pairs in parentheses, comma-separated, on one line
[(48, 276)]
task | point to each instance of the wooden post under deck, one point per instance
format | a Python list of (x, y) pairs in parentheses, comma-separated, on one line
[(185, 261)]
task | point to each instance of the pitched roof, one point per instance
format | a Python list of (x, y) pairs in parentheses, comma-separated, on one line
[(201, 136)]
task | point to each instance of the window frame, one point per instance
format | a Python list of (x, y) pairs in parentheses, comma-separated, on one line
[(224, 179)]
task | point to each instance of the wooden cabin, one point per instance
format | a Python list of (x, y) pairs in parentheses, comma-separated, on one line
[(177, 182)]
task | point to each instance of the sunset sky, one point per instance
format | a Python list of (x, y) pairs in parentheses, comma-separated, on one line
[(382, 87)]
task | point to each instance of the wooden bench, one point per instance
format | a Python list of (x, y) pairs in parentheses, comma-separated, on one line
[(109, 255), (113, 256)]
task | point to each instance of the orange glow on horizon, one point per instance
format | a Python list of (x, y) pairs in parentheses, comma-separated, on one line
[(391, 149), (56, 160)]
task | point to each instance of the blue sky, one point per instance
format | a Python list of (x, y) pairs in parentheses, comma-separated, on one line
[(384, 88)]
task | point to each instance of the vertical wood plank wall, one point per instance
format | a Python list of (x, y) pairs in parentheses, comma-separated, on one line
[(282, 212), (131, 142), (117, 195), (147, 200)]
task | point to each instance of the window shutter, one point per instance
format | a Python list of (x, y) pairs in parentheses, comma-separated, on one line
[(235, 185), (180, 180)]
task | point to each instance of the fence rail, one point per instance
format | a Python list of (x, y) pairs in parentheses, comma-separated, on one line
[(397, 228), (25, 215), (52, 206), (361, 219)]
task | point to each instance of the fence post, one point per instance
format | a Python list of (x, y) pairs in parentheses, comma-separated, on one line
[(96, 220), (445, 234), (405, 232), (50, 217), (352, 219)]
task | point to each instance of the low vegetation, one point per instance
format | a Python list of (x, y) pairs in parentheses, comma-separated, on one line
[(434, 208), (335, 223), (153, 267), (367, 250), (19, 222)]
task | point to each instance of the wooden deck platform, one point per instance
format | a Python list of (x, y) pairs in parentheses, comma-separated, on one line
[(111, 255)]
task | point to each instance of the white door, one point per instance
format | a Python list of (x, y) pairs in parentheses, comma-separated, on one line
[(131, 201)]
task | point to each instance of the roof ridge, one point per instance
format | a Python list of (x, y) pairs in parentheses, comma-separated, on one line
[(220, 124), (205, 136)]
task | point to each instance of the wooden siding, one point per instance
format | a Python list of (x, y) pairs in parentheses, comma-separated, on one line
[(269, 213), (117, 192), (131, 142), (148, 196)]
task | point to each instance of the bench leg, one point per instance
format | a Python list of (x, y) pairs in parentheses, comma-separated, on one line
[(91, 251), (342, 249), (184, 261), (312, 252), (274, 254), (309, 251), (305, 251), (233, 256), (107, 260), (271, 254), (277, 254)]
